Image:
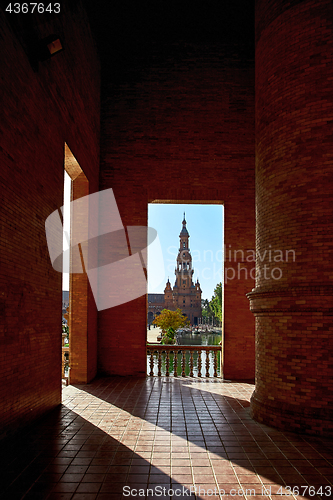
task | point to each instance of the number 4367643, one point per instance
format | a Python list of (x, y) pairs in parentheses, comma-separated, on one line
[(30, 8)]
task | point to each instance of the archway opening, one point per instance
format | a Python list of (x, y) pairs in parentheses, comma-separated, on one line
[(65, 275), (187, 271), (75, 281)]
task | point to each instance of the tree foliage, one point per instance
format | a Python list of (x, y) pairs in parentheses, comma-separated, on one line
[(216, 302), (207, 311), (170, 319), (213, 308), (169, 337)]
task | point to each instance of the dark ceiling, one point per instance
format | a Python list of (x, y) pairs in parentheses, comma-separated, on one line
[(126, 30)]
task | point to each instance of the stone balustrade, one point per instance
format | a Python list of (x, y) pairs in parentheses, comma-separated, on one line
[(191, 360), (65, 362), (64, 357)]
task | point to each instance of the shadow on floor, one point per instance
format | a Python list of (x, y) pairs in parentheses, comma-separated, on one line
[(161, 438)]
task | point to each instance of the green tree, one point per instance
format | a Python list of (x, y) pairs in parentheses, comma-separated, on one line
[(170, 319), (213, 308), (207, 311), (169, 337), (216, 302)]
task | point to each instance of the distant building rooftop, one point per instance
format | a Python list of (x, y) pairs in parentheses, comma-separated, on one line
[(155, 298)]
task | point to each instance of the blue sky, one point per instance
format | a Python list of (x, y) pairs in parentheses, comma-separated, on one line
[(66, 225), (204, 223)]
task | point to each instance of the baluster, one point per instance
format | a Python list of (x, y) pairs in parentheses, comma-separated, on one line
[(199, 363), (207, 362), (159, 364), (175, 363), (191, 363), (151, 363), (167, 363), (215, 363), (63, 364), (183, 363)]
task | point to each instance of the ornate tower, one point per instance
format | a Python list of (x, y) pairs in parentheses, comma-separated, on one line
[(184, 271), (185, 294), (168, 299)]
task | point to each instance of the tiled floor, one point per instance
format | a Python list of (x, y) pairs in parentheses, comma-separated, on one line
[(161, 438)]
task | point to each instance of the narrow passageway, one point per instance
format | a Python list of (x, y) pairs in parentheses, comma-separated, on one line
[(159, 437)]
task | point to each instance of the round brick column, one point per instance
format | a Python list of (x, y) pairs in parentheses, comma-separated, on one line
[(293, 297)]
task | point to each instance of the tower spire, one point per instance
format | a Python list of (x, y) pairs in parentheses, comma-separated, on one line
[(185, 294), (184, 235)]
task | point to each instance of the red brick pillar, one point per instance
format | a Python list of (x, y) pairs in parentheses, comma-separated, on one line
[(293, 299), (82, 309)]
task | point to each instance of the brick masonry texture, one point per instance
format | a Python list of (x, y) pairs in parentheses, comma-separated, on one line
[(294, 116), (174, 121), (181, 129), (43, 107)]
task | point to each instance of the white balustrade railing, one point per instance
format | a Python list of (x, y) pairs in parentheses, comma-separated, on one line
[(164, 355)]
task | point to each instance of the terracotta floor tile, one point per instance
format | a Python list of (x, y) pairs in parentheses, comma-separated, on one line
[(234, 497), (71, 478), (139, 469), (88, 488), (113, 488), (179, 455), (262, 497), (209, 495), (226, 488), (250, 489), (166, 469), (181, 478), (271, 479), (202, 470), (65, 487), (93, 478), (137, 478), (179, 462), (60, 496), (226, 478), (204, 489), (248, 478), (204, 478), (200, 462), (115, 478), (119, 469), (181, 470), (141, 427), (187, 484), (160, 461), (242, 470), (159, 479)]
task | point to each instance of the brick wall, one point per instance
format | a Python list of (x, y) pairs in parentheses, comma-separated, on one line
[(43, 107), (294, 71), (181, 128)]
